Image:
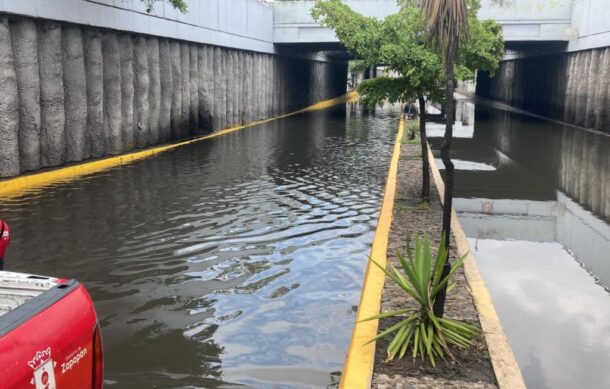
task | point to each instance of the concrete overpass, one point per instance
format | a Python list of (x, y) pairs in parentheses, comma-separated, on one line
[(523, 20)]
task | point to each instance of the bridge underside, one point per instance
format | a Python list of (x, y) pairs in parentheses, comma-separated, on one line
[(333, 51)]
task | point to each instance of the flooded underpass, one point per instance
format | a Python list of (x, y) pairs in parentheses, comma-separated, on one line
[(233, 261), (533, 197)]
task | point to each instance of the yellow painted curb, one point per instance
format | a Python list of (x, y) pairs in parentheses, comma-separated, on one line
[(506, 369), (34, 182), (358, 368)]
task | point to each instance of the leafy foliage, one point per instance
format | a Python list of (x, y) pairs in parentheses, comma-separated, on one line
[(375, 90), (180, 5), (400, 42), (418, 328)]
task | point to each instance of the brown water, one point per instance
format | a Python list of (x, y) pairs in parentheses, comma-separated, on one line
[(533, 197), (236, 260)]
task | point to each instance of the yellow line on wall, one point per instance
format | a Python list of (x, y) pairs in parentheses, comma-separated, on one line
[(358, 368), (17, 186), (506, 369)]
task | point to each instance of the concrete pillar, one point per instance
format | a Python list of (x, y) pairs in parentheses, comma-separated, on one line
[(203, 97), (602, 111), (112, 93), (53, 137), (234, 85), (210, 83), (281, 86), (242, 86), (249, 82), (9, 105), (127, 91), (209, 87), (24, 37), (254, 87), (581, 102), (194, 89), (265, 82), (259, 86), (229, 84), (590, 81), (165, 79), (276, 87), (154, 91), (95, 91), (176, 111), (141, 88), (216, 69), (75, 94), (230, 88), (185, 90), (223, 89), (268, 87)]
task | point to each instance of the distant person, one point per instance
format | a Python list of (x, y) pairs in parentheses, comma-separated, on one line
[(5, 238), (411, 111)]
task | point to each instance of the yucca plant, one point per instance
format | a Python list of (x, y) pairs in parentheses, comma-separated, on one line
[(418, 328)]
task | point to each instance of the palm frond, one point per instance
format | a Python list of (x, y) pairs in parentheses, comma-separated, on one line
[(447, 25)]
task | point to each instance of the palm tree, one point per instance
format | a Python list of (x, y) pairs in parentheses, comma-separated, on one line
[(447, 25)]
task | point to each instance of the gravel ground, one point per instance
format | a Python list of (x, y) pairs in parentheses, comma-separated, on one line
[(473, 367)]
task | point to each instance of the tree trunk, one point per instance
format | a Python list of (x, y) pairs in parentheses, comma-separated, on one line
[(425, 186), (439, 303)]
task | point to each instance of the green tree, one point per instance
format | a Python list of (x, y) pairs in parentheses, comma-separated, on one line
[(180, 5), (400, 42), (429, 48)]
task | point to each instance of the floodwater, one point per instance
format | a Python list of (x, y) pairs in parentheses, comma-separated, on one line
[(232, 262), (533, 197)]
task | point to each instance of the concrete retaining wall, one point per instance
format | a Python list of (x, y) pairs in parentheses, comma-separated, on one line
[(571, 87), (72, 92)]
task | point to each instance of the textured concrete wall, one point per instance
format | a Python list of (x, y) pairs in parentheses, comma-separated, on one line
[(572, 87), (73, 92)]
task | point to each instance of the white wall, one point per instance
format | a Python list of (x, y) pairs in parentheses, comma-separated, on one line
[(240, 24), (591, 21), (530, 20), (293, 22)]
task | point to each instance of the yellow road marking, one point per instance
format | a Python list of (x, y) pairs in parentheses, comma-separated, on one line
[(358, 368), (503, 360), (20, 185)]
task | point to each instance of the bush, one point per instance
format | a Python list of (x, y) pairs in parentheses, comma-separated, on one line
[(418, 329), (412, 130)]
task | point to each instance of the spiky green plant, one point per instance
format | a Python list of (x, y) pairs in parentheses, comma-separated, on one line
[(412, 130), (418, 328)]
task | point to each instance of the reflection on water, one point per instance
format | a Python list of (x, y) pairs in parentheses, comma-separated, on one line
[(534, 199), (558, 325), (234, 260)]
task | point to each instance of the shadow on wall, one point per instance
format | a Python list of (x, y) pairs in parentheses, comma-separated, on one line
[(72, 92)]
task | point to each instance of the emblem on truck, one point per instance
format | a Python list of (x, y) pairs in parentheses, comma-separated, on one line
[(44, 373)]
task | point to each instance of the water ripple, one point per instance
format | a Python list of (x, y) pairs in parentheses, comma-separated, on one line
[(246, 251)]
